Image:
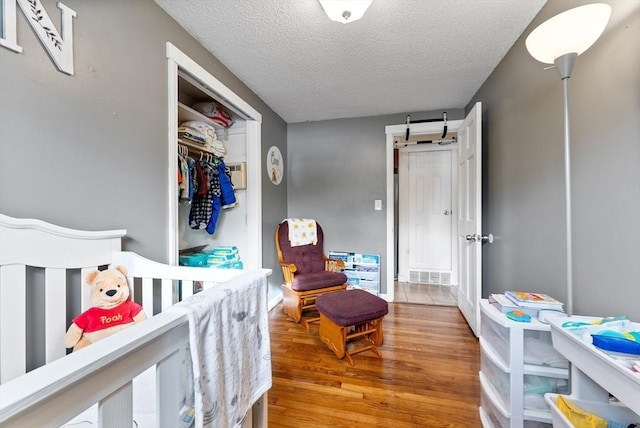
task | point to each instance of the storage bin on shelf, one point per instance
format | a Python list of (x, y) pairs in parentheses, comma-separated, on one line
[(493, 417), (224, 257), (489, 411), (193, 259), (498, 334), (610, 411), (595, 373), (533, 386)]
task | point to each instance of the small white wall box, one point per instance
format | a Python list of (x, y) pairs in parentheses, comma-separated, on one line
[(238, 174)]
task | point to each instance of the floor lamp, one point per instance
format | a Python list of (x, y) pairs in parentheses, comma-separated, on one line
[(559, 41)]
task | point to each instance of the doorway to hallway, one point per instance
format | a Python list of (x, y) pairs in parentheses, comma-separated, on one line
[(424, 294)]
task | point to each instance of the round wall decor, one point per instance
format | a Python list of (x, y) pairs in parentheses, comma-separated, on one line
[(275, 165)]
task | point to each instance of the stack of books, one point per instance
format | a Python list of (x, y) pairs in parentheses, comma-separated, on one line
[(529, 303)]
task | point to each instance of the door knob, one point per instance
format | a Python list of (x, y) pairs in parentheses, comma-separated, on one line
[(448, 212), (487, 238), (480, 238)]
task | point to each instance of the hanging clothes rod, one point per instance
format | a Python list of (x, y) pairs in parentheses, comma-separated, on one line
[(195, 149)]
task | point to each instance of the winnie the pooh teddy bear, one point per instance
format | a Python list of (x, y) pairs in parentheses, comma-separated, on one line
[(111, 312)]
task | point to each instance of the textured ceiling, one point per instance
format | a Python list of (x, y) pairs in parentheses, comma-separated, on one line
[(402, 56)]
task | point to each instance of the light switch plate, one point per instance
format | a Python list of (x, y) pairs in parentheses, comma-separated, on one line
[(377, 205)]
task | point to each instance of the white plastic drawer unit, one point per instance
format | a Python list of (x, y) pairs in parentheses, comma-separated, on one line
[(498, 377), (497, 336), (524, 342), (496, 416), (518, 365), (533, 386), (492, 417)]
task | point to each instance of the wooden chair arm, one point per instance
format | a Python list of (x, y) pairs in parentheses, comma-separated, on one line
[(288, 270)]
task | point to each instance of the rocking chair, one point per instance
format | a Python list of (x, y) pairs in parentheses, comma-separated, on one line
[(307, 273)]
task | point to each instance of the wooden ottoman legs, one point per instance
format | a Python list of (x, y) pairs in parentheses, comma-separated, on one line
[(336, 337)]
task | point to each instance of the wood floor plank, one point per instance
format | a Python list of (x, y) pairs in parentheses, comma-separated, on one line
[(427, 376)]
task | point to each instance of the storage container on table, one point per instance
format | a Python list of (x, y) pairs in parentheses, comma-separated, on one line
[(609, 411), (596, 374)]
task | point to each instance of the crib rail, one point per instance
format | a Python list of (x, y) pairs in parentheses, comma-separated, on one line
[(154, 285), (56, 392), (176, 282)]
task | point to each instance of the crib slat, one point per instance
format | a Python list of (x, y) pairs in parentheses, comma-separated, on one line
[(55, 301), (169, 395), (207, 285), (116, 410), (167, 293), (147, 296), (85, 290), (187, 289), (13, 298), (131, 282)]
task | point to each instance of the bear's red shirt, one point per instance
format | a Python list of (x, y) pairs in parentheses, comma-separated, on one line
[(95, 319)]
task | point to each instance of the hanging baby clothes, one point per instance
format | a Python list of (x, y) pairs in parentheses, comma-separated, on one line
[(216, 198), (191, 164), (226, 187), (201, 206), (184, 179)]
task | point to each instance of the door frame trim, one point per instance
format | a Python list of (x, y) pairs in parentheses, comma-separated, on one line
[(392, 132)]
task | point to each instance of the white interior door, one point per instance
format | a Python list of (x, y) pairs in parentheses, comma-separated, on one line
[(427, 256), (470, 217)]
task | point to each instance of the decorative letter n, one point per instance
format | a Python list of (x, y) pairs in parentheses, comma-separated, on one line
[(59, 48)]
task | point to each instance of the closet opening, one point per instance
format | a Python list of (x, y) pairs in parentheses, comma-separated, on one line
[(197, 101)]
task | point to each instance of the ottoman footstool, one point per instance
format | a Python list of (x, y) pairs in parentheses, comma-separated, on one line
[(348, 315)]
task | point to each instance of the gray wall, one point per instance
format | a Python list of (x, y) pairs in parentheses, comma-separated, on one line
[(524, 170), (89, 151), (274, 204), (335, 171)]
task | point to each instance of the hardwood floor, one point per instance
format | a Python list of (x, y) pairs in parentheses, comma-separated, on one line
[(427, 376)]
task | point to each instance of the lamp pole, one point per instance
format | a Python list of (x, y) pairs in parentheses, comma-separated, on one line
[(564, 64), (559, 40)]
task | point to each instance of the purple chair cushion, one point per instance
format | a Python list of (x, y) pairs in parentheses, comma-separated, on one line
[(317, 280), (351, 307), (307, 258)]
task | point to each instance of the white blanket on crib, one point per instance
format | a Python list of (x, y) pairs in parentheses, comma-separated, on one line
[(230, 349)]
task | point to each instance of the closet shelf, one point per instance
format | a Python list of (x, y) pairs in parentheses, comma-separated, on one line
[(187, 113)]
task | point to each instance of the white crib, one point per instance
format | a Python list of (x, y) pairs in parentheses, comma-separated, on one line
[(42, 271)]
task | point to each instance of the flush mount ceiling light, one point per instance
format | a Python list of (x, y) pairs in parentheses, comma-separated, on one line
[(345, 11), (559, 41)]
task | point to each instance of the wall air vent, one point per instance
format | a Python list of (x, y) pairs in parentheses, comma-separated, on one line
[(430, 277), (238, 174)]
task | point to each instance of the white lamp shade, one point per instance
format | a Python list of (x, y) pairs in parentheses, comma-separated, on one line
[(573, 31), (345, 11)]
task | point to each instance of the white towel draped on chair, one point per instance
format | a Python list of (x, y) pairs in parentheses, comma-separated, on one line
[(230, 350), (302, 231)]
